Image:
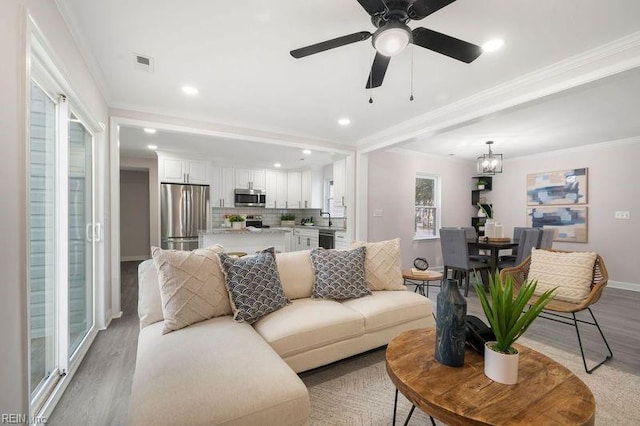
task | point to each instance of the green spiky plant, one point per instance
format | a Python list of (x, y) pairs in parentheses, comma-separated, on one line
[(506, 313)]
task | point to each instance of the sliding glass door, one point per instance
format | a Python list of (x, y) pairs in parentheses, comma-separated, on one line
[(62, 235)]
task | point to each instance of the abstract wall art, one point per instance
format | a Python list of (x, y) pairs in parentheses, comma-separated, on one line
[(556, 188), (570, 223)]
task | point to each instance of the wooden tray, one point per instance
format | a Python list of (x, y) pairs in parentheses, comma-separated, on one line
[(498, 239)]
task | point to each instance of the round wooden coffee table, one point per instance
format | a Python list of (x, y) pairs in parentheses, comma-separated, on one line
[(421, 280), (546, 392)]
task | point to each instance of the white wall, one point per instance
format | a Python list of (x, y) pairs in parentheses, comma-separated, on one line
[(613, 185), (391, 187), (14, 392), (151, 165), (134, 215)]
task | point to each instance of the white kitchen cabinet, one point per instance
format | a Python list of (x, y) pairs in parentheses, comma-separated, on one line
[(311, 189), (276, 189), (288, 240), (342, 241), (222, 187), (305, 239), (181, 170), (251, 179), (294, 190), (339, 182)]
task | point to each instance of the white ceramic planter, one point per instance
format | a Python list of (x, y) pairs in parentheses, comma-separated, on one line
[(236, 225), (499, 367)]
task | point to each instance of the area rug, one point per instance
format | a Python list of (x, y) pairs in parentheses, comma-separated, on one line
[(357, 391)]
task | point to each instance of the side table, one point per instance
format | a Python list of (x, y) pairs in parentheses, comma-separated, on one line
[(422, 280)]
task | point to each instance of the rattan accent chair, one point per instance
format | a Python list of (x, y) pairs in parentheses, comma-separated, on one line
[(565, 312)]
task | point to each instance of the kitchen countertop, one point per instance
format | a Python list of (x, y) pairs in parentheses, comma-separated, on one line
[(243, 231)]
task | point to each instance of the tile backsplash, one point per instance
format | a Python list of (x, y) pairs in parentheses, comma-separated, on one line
[(271, 217)]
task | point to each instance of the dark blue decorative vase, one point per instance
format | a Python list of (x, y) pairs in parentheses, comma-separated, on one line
[(451, 319)]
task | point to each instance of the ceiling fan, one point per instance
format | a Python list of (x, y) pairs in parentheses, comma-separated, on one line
[(390, 17)]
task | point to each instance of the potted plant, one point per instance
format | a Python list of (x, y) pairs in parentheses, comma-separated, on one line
[(288, 219), (481, 184), (504, 311), (236, 221)]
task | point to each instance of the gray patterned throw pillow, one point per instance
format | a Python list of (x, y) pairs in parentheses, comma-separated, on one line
[(254, 285), (339, 274)]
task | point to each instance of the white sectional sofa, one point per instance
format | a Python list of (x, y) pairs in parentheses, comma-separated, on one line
[(223, 372)]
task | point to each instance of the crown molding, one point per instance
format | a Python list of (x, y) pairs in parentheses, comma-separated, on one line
[(609, 59)]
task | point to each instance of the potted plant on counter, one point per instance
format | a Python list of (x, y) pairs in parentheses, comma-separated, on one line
[(288, 219), (236, 221), (504, 311)]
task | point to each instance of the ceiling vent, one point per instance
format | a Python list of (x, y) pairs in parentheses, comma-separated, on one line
[(143, 63)]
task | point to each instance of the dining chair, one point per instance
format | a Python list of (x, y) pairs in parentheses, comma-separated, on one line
[(472, 236), (517, 232), (528, 239), (546, 238), (455, 256)]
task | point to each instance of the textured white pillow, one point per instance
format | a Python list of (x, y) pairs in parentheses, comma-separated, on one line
[(192, 286), (382, 265), (571, 272)]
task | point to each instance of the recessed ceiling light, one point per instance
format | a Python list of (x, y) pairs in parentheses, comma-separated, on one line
[(152, 147), (493, 45), (148, 130), (277, 165), (307, 152), (344, 121), (189, 90)]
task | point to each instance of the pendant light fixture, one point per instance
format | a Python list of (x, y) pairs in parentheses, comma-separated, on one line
[(489, 164)]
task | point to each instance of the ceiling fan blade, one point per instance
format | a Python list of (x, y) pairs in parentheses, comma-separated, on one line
[(422, 8), (373, 7), (446, 45), (330, 44), (378, 70)]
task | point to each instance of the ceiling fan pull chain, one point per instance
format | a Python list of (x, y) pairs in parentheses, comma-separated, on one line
[(370, 80), (411, 97)]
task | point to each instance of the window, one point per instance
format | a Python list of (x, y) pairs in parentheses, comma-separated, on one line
[(330, 206), (427, 205)]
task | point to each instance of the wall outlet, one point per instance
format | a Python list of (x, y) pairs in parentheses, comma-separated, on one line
[(377, 213), (622, 215)]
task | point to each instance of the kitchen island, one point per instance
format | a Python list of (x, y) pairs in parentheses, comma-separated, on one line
[(244, 240)]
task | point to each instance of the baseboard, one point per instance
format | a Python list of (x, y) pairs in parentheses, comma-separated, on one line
[(623, 286), (134, 258)]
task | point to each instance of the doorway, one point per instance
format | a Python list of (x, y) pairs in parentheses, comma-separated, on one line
[(134, 215)]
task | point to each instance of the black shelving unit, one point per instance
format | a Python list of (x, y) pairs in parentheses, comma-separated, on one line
[(478, 222)]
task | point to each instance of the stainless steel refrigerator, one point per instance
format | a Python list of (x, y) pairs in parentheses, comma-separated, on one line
[(183, 212)]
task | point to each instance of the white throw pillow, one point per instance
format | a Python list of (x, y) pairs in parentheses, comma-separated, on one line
[(192, 286), (571, 272), (382, 265)]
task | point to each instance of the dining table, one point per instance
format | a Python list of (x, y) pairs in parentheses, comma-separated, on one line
[(494, 247)]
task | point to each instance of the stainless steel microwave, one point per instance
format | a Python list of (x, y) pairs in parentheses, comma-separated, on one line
[(250, 198)]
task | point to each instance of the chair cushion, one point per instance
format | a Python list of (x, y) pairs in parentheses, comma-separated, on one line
[(254, 285), (384, 309), (571, 272), (191, 286), (296, 273), (339, 274), (382, 264), (211, 373), (307, 324)]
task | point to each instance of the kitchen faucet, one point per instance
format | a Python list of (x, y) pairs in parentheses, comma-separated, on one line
[(328, 214)]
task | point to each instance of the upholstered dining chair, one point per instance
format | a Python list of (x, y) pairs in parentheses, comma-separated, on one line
[(563, 311), (517, 232), (546, 238), (528, 240), (471, 236), (455, 256)]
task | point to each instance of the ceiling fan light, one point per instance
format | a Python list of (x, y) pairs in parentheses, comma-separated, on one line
[(392, 39)]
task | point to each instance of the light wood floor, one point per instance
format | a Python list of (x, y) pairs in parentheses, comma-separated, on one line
[(99, 392)]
